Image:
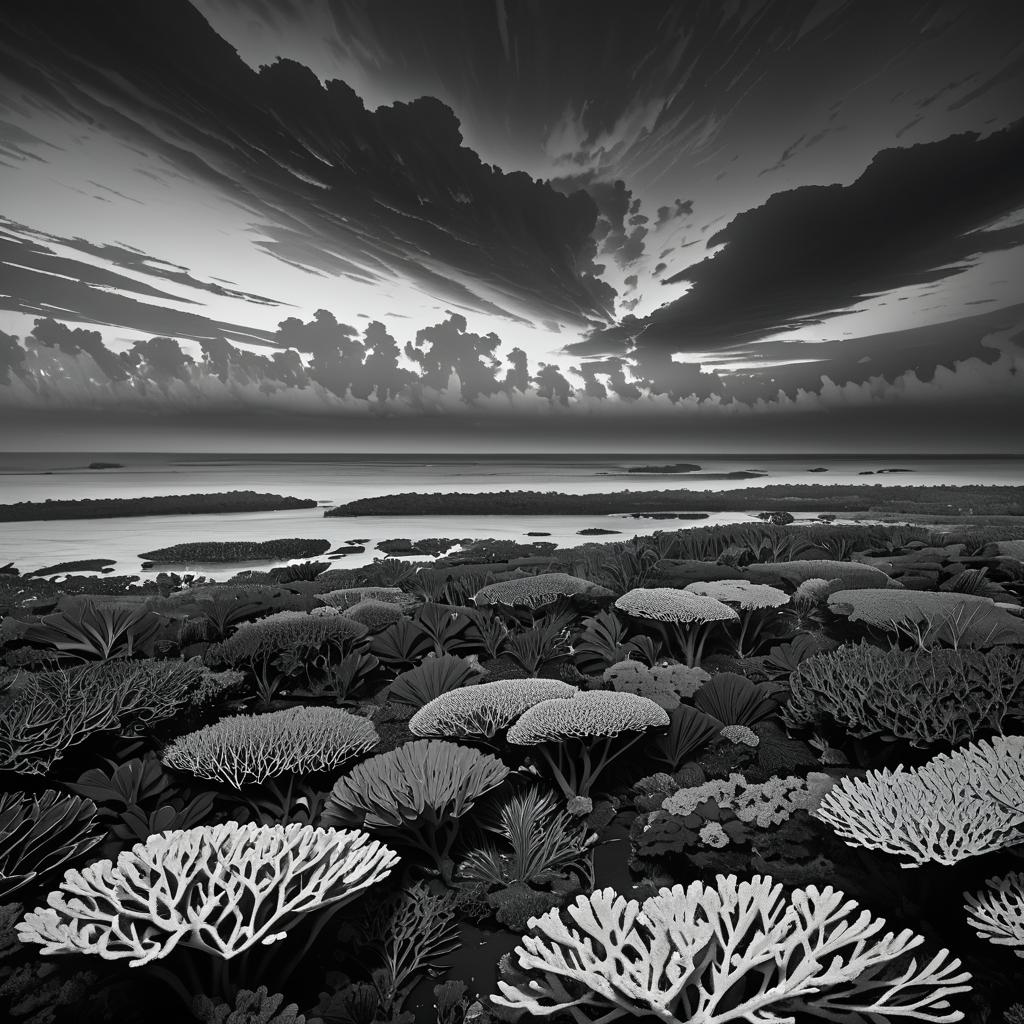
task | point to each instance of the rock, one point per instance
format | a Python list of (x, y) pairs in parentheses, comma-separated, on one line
[(777, 518)]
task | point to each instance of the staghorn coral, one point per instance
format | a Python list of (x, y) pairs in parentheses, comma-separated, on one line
[(537, 591), (39, 835), (926, 697), (997, 913), (486, 709), (928, 616), (684, 618), (249, 749), (723, 952), (415, 794), (578, 736), (53, 711), (247, 885), (953, 807)]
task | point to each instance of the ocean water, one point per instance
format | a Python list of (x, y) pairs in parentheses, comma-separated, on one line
[(333, 479)]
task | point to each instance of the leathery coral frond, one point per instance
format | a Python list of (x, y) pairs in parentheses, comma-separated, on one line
[(955, 806), (222, 889), (684, 954)]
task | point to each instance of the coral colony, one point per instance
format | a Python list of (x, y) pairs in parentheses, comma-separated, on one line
[(416, 604)]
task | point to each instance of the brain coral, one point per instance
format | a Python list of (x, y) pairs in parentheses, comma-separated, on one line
[(589, 714), (249, 749), (664, 604), (485, 709), (537, 591), (749, 596)]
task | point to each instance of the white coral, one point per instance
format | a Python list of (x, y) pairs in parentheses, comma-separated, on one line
[(955, 806), (997, 913), (222, 889), (755, 803), (588, 714), (249, 749), (486, 708), (736, 950), (748, 596), (664, 604)]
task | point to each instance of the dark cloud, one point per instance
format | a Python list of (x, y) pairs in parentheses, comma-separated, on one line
[(680, 208), (620, 229), (916, 216)]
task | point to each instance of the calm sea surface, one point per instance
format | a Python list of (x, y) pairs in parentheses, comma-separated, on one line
[(333, 479)]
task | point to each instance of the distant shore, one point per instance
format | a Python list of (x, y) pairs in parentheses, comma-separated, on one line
[(794, 498), (163, 505)]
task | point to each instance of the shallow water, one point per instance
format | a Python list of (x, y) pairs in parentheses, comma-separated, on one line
[(333, 479)]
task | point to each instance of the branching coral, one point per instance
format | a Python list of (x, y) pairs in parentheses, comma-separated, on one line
[(955, 806), (579, 737), (537, 591), (249, 749), (283, 642), (690, 617), (997, 913), (222, 889), (734, 950), (927, 616), (416, 794), (926, 697), (39, 835), (486, 709), (758, 604), (53, 711)]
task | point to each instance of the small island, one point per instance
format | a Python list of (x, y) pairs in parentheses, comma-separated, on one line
[(675, 467), (236, 551), (105, 465), (159, 505)]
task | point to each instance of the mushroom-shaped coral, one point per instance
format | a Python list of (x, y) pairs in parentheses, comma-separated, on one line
[(482, 711), (579, 737), (758, 605), (415, 795), (955, 806), (222, 889), (729, 951), (682, 616), (997, 913), (537, 591), (249, 749)]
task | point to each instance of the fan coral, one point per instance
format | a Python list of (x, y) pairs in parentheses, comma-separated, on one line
[(38, 835), (431, 678), (928, 616), (247, 885), (926, 697), (53, 711), (595, 719), (734, 700), (955, 806), (249, 749), (997, 913), (485, 709), (690, 952), (538, 591), (416, 794)]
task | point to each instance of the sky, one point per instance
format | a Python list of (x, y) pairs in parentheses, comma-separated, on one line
[(731, 225)]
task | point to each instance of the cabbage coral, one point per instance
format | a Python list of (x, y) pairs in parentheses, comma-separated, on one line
[(757, 603), (249, 749), (578, 737), (733, 950), (927, 616), (997, 913), (246, 885), (690, 617), (416, 795), (953, 807), (537, 591), (486, 709)]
